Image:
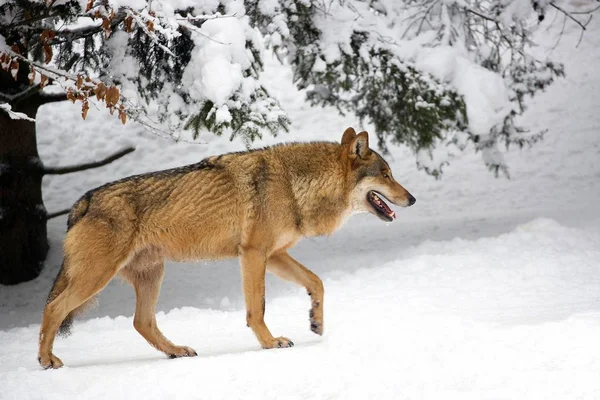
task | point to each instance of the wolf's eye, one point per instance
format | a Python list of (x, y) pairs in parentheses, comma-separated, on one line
[(385, 175)]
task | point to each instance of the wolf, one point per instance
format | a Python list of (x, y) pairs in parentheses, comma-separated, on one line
[(254, 205)]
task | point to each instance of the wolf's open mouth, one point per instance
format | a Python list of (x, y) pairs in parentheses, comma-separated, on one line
[(384, 211)]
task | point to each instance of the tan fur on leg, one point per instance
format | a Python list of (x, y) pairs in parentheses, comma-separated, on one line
[(285, 267), (145, 273), (78, 291), (253, 279)]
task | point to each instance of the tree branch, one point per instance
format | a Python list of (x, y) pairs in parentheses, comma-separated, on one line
[(586, 11), (486, 17), (82, 167), (46, 98), (58, 213), (568, 14), (17, 97), (73, 34)]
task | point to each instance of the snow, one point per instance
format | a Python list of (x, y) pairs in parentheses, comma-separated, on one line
[(484, 289), (417, 330), (221, 59), (5, 107), (484, 91)]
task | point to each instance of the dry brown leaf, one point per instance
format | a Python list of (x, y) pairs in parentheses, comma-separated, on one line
[(31, 75), (79, 81), (150, 26), (47, 53), (14, 68), (128, 24), (43, 81), (89, 5), (100, 91), (84, 109), (106, 27), (71, 95), (112, 96)]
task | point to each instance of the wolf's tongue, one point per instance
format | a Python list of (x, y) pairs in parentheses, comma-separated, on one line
[(387, 210)]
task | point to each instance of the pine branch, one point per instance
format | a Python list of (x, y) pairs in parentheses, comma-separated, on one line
[(63, 35), (82, 167)]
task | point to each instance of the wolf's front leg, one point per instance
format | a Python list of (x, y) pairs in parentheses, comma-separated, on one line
[(253, 279), (285, 267)]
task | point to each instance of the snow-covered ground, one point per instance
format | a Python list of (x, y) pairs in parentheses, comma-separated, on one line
[(485, 289)]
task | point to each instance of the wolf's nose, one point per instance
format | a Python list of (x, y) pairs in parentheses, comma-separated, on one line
[(411, 200)]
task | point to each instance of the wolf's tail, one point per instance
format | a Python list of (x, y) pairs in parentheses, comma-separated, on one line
[(60, 284)]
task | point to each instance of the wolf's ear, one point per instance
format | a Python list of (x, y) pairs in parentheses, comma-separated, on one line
[(359, 146), (348, 135)]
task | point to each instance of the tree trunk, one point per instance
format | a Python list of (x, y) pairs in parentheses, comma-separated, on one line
[(23, 241)]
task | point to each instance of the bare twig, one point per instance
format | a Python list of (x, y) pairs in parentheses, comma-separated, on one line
[(568, 14), (586, 11), (561, 33), (433, 4), (58, 213), (487, 17), (82, 167)]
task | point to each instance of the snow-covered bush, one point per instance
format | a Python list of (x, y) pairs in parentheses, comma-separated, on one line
[(439, 76), (436, 75), (172, 66)]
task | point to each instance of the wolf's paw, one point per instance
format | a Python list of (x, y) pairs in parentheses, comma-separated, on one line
[(50, 361), (279, 342), (316, 327), (316, 321), (182, 351)]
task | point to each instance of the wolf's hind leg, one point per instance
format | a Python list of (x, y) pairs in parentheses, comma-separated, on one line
[(145, 273), (83, 284), (253, 279), (285, 267)]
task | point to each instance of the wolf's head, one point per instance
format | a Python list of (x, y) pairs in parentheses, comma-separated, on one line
[(371, 179)]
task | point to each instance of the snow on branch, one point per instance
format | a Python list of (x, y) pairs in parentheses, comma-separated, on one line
[(158, 63), (14, 114), (184, 23), (204, 17), (148, 24)]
